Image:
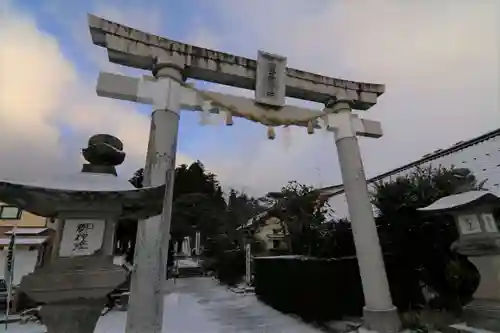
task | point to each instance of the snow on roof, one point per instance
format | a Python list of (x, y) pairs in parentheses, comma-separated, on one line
[(330, 190), (24, 241), (458, 200), (429, 157), (27, 231), (325, 191), (45, 198), (254, 219), (82, 181)]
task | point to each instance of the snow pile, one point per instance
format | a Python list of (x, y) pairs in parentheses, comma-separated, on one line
[(188, 263), (364, 330), (465, 328), (243, 288)]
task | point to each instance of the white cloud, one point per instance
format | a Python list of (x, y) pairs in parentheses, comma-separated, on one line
[(439, 61), (42, 95), (31, 87)]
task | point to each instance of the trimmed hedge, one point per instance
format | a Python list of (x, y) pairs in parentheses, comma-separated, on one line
[(325, 289), (229, 267)]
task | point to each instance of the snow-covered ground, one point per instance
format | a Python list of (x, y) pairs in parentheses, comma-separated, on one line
[(200, 305)]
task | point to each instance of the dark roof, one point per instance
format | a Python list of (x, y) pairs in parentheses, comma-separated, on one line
[(255, 219), (324, 193), (426, 158)]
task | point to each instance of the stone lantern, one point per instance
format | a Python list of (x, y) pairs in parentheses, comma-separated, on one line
[(479, 240), (77, 272)]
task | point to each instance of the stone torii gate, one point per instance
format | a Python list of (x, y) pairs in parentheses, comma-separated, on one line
[(171, 63)]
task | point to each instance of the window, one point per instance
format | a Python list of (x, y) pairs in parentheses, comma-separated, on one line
[(10, 213), (276, 244)]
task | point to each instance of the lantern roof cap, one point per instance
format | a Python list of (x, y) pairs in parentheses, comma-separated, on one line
[(97, 183), (461, 200), (81, 181), (48, 198)]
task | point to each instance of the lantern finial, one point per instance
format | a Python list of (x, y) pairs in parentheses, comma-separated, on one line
[(103, 153)]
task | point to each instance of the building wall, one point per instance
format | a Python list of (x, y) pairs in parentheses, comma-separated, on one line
[(24, 262), (27, 220), (272, 227), (483, 159), (25, 256)]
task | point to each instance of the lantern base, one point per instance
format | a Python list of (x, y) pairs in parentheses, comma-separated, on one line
[(483, 314), (382, 321), (484, 311), (78, 316), (73, 279), (478, 246)]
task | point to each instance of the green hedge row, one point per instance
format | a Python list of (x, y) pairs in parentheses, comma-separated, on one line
[(228, 266), (326, 289)]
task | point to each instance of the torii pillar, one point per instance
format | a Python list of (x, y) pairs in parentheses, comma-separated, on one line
[(145, 311), (379, 313), (168, 94)]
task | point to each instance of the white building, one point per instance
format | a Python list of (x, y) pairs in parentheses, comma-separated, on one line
[(32, 237), (30, 244), (481, 155)]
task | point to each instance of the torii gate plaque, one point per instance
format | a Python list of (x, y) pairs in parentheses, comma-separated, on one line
[(171, 62)]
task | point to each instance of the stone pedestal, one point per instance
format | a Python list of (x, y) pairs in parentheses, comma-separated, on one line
[(73, 291), (74, 278), (379, 314), (479, 240), (386, 321), (78, 316), (484, 311)]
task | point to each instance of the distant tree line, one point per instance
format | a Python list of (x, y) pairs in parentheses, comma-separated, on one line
[(199, 204), (423, 243)]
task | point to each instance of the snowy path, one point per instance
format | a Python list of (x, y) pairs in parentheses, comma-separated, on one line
[(199, 305)]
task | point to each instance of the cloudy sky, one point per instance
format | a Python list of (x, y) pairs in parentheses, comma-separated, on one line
[(439, 61)]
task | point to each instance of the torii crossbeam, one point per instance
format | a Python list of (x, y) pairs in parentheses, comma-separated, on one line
[(171, 63), (141, 90)]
